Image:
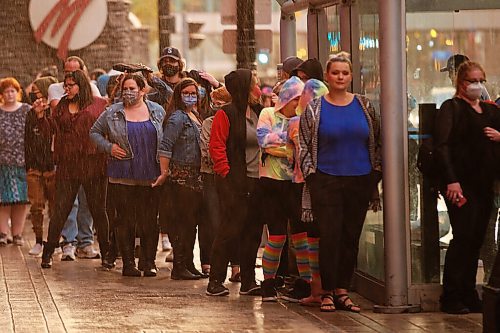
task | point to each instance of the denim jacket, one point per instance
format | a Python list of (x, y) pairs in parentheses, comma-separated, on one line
[(181, 140), (111, 127)]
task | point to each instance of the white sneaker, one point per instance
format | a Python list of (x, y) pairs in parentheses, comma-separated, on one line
[(36, 250), (165, 244), (68, 253), (18, 240), (87, 252)]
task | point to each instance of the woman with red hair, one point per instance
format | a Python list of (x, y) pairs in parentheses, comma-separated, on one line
[(13, 186)]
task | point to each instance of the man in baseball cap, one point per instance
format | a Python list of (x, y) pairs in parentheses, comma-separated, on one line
[(171, 66), (452, 68), (452, 65)]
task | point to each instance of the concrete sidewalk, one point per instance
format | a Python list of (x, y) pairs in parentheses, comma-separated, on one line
[(80, 296)]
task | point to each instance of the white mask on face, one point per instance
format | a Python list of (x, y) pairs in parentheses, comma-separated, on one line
[(473, 90)]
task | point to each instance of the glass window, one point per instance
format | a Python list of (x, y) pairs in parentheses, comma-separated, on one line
[(371, 243)]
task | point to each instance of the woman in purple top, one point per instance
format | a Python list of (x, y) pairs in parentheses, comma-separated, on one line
[(13, 187), (130, 132), (340, 158)]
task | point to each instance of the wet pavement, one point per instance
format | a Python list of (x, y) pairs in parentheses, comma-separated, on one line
[(81, 296)]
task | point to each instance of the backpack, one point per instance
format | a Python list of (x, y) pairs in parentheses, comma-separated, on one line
[(426, 158), (426, 162)]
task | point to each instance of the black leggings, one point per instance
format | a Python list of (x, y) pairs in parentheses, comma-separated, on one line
[(283, 204), (66, 191), (137, 212)]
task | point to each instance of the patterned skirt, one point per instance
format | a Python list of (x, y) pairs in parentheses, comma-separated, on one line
[(13, 186)]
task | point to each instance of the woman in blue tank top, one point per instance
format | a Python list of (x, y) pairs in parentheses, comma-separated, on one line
[(340, 158), (130, 132)]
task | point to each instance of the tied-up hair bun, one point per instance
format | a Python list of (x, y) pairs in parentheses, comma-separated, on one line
[(342, 55)]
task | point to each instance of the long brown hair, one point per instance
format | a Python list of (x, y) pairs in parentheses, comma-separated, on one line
[(84, 97), (176, 102)]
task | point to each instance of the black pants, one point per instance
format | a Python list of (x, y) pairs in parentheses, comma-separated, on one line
[(339, 205), (240, 222), (210, 222), (469, 225), (183, 218), (66, 191), (137, 213)]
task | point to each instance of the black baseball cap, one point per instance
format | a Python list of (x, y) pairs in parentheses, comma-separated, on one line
[(290, 63), (171, 52), (453, 62)]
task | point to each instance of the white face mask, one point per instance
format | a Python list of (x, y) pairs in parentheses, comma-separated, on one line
[(473, 90)]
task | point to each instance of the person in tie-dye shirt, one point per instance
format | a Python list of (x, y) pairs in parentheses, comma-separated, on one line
[(282, 195), (312, 89)]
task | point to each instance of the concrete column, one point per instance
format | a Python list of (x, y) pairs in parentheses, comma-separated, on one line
[(288, 36), (393, 109)]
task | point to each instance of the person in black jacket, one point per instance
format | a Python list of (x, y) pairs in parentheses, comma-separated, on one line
[(234, 151), (466, 142), (40, 167)]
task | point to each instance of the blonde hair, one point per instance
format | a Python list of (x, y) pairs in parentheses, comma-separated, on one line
[(342, 56)]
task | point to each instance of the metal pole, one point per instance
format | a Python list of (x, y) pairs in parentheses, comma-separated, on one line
[(288, 36), (164, 23), (393, 106), (245, 26)]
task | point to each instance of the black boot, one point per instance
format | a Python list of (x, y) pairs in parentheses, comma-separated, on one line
[(126, 242), (179, 271), (48, 251), (109, 260)]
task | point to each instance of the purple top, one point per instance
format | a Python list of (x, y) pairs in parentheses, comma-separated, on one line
[(143, 165)]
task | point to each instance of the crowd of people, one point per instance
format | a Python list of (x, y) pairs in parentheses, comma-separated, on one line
[(177, 154)]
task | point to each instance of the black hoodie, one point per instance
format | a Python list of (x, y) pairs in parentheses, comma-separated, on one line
[(238, 85)]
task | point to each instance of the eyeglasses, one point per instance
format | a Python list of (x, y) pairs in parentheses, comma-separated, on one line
[(482, 81), (192, 94), (69, 85)]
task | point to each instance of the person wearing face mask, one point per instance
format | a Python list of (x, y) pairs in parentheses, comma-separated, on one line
[(130, 133), (171, 66), (180, 160), (466, 141), (78, 163)]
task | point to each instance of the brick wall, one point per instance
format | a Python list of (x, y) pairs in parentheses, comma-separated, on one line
[(23, 58)]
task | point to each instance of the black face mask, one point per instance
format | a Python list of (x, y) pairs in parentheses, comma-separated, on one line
[(33, 97), (170, 70)]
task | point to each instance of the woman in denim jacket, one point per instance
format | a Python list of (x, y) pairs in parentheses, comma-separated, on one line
[(180, 160), (130, 132)]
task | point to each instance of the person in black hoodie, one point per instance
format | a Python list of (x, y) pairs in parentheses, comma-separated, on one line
[(40, 166), (234, 150)]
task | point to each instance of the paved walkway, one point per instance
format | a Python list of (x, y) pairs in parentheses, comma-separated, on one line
[(82, 297)]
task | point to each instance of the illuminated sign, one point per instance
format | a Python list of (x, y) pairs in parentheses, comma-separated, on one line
[(67, 24)]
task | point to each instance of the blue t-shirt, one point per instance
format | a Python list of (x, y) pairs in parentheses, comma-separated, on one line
[(143, 166), (343, 136)]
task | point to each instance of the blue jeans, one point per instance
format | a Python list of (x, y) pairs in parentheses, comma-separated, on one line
[(78, 227)]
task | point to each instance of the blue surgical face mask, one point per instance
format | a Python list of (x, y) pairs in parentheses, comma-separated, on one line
[(202, 92), (189, 100)]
